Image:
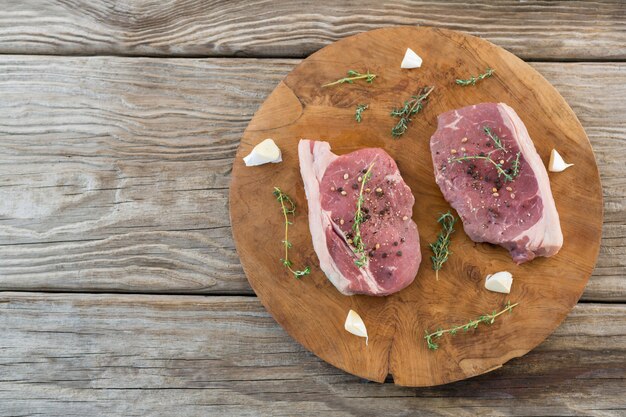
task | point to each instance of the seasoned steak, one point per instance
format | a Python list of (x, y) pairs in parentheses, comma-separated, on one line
[(332, 183), (488, 169)]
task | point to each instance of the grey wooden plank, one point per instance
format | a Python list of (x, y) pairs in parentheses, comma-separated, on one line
[(114, 172), (110, 355), (559, 30)]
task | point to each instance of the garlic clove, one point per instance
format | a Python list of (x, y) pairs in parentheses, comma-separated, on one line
[(411, 60), (355, 325), (499, 282), (557, 164), (263, 153)]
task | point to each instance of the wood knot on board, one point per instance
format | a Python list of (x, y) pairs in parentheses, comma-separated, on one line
[(472, 272)]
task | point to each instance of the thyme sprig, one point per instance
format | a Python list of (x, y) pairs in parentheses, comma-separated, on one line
[(440, 248), (501, 171), (515, 165), (411, 107), (352, 77), (496, 140), (473, 80), (288, 207), (359, 218), (360, 108), (472, 324)]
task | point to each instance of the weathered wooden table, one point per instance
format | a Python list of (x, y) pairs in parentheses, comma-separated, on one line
[(120, 289)]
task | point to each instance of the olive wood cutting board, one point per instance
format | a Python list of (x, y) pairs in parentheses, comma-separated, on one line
[(311, 310)]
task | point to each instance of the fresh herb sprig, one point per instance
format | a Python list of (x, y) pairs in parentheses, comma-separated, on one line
[(473, 80), (360, 108), (495, 138), (515, 165), (352, 77), (410, 108), (501, 171), (441, 247), (359, 218), (288, 207), (472, 324)]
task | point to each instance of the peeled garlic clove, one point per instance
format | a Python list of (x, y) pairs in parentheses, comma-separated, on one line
[(499, 282), (264, 152), (557, 164), (354, 324), (411, 60)]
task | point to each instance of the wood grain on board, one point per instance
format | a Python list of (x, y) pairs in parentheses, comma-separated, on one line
[(299, 107), (580, 30), (104, 146), (138, 355)]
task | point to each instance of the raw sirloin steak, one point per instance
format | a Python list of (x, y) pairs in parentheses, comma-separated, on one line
[(488, 170), (332, 184)]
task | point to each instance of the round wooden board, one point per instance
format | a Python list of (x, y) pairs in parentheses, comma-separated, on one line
[(312, 310)]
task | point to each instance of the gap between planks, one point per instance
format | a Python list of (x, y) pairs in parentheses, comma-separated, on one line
[(539, 60), (223, 294)]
